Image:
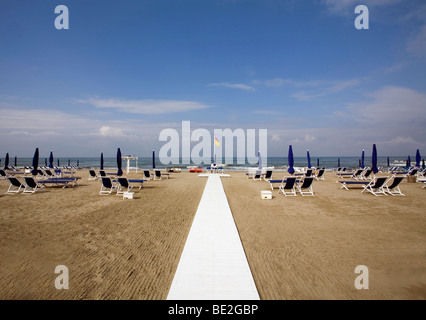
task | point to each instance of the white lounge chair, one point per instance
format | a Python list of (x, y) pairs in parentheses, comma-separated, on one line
[(107, 186), (376, 186), (123, 185), (320, 175), (305, 189), (288, 186), (31, 186), (393, 188), (15, 185), (92, 175)]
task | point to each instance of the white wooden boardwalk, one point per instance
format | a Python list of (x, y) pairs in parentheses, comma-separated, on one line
[(213, 265)]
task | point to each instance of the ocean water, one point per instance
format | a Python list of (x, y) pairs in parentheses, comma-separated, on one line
[(276, 163)]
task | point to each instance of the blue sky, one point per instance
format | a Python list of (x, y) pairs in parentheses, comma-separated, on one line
[(125, 70)]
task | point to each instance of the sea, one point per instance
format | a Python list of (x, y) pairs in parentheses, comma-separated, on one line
[(273, 163)]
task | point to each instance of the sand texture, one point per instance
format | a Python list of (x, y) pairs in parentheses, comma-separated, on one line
[(297, 247)]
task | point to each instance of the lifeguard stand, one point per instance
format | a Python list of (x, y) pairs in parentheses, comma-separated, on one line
[(128, 158)]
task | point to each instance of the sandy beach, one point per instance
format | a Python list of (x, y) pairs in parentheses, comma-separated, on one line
[(297, 247)]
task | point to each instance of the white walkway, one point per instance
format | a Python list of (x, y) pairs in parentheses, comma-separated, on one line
[(213, 265)]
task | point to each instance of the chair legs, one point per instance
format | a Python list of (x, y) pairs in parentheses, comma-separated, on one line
[(290, 193)]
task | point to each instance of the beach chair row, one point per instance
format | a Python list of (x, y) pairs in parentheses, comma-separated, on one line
[(378, 186), (267, 176), (291, 186), (156, 175), (30, 185), (120, 185), (359, 174)]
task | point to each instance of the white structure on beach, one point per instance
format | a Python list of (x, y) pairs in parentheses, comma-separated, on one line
[(128, 158)]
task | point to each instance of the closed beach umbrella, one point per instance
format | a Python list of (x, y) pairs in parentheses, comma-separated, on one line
[(119, 164), (260, 160), (290, 160), (78, 163), (388, 162), (58, 162), (16, 161), (408, 161), (374, 160), (362, 160), (45, 162), (6, 161), (338, 162), (423, 164), (153, 159), (418, 158), (309, 159), (35, 163), (359, 163), (51, 160), (102, 161), (317, 162)]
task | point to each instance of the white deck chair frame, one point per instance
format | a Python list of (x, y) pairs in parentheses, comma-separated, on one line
[(31, 185), (285, 186), (392, 189), (305, 189), (106, 189), (122, 189), (14, 188), (374, 189)]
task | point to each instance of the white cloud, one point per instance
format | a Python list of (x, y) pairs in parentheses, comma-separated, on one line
[(393, 105), (311, 89), (417, 44), (233, 86), (305, 140), (275, 138), (403, 141), (107, 131), (324, 89), (148, 106)]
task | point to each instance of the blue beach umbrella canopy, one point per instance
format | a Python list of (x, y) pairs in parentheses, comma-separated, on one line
[(35, 163), (260, 160), (6, 161), (374, 160), (418, 158), (119, 163), (309, 159), (290, 160), (51, 159), (102, 161), (153, 159), (363, 160)]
